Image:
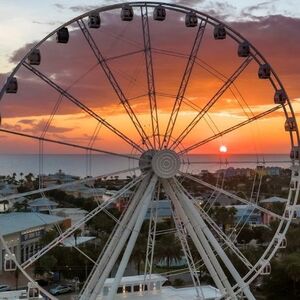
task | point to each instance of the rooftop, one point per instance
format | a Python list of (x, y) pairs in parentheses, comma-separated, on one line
[(70, 241), (20, 221), (15, 295), (167, 293), (274, 199), (42, 202)]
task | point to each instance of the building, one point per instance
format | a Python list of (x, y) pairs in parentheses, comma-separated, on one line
[(58, 178), (131, 287), (246, 214), (22, 232), (73, 214), (84, 191), (17, 295), (8, 189), (273, 200), (42, 205), (71, 241), (163, 208), (269, 203)]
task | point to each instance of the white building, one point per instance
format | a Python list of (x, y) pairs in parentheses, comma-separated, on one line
[(58, 178), (131, 287), (84, 191), (22, 232)]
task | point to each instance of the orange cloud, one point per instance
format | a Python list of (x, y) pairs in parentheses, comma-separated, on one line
[(74, 68)]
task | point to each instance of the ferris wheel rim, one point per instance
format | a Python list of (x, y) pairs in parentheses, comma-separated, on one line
[(262, 262)]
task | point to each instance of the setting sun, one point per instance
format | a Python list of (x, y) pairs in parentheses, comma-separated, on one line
[(223, 149)]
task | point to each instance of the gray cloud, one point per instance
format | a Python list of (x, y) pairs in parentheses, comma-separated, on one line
[(59, 6), (189, 3), (85, 8)]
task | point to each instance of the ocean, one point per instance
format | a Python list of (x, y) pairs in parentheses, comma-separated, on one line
[(79, 165)]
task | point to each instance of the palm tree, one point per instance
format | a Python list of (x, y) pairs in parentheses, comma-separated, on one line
[(224, 216), (168, 248), (291, 265)]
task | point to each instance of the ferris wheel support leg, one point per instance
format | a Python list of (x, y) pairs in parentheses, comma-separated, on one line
[(201, 228), (195, 239), (118, 236), (151, 240), (182, 234), (102, 261), (111, 255), (132, 240)]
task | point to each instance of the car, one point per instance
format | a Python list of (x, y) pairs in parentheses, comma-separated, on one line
[(60, 289), (4, 288)]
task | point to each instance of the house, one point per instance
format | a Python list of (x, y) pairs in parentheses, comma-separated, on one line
[(42, 205), (163, 208), (246, 214)]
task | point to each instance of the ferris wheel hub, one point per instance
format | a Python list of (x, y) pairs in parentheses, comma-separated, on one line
[(165, 163)]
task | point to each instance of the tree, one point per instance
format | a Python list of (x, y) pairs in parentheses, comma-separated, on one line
[(169, 249), (224, 216), (45, 264), (291, 265)]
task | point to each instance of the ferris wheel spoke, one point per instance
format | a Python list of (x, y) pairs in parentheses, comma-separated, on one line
[(40, 138), (115, 85), (230, 129), (211, 102), (82, 106), (227, 242), (184, 82), (233, 196), (68, 184), (150, 77), (82, 221)]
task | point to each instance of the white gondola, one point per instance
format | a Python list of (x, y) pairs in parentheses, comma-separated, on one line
[(266, 270), (33, 291), (219, 32), (62, 35), (12, 86), (94, 20), (282, 244), (290, 124), (9, 263), (291, 213), (191, 19), (280, 97), (294, 153), (34, 58), (244, 49), (127, 13), (264, 71), (159, 13), (293, 185)]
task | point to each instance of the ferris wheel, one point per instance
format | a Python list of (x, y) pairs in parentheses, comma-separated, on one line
[(143, 76)]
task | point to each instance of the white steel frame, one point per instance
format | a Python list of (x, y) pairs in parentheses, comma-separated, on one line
[(188, 216)]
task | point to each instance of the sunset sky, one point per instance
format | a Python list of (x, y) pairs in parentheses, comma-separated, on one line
[(271, 26)]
